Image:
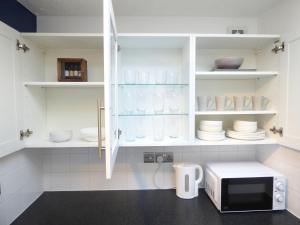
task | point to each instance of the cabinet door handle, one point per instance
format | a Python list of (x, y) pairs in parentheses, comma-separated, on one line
[(99, 117)]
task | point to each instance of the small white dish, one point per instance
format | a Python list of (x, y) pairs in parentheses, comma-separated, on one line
[(60, 136), (90, 134)]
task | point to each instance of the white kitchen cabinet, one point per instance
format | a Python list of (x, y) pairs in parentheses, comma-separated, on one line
[(289, 89), (145, 111), (110, 49), (11, 116)]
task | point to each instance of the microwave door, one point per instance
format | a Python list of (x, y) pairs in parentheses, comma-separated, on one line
[(247, 194)]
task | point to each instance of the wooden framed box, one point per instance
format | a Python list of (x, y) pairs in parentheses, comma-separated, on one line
[(71, 70)]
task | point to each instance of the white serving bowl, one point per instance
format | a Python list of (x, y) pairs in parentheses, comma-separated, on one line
[(214, 129), (90, 134), (211, 123), (245, 126), (60, 136), (233, 63)]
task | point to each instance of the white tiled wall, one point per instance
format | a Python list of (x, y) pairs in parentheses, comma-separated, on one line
[(80, 169), (21, 183), (287, 162)]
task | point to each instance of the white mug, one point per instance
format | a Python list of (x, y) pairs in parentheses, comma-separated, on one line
[(260, 102), (206, 103), (247, 103), (224, 103), (242, 103)]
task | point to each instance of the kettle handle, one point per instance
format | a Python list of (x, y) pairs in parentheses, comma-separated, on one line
[(199, 168), (197, 182)]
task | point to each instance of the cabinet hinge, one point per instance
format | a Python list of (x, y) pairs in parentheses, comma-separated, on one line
[(119, 133), (279, 131), (21, 46), (278, 47), (27, 133)]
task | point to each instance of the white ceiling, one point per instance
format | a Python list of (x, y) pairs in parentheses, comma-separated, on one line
[(202, 8)]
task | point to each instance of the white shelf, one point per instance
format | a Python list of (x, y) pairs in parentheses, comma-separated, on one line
[(230, 141), (64, 84), (45, 143), (234, 41), (267, 112), (66, 40), (234, 75), (197, 142)]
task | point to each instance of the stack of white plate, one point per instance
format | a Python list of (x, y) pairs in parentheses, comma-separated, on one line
[(211, 131), (246, 130)]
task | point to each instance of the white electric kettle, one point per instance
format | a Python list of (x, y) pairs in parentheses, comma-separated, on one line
[(186, 182)]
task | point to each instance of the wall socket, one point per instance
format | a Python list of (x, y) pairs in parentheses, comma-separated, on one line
[(151, 157)]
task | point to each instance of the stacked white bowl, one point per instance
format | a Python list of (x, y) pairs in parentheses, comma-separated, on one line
[(211, 130), (246, 130)]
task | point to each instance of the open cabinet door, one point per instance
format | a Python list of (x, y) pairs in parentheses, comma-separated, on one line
[(290, 93), (9, 92), (111, 87)]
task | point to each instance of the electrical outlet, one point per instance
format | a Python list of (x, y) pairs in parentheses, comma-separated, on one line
[(149, 157), (168, 157)]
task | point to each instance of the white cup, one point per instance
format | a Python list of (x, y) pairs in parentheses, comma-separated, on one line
[(206, 103), (224, 103), (242, 103), (260, 103)]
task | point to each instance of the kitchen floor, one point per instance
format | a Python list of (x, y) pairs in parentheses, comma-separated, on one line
[(156, 207)]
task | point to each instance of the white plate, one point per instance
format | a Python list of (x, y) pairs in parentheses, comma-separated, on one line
[(209, 136)]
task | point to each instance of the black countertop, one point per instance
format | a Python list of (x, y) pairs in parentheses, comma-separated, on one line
[(157, 207)]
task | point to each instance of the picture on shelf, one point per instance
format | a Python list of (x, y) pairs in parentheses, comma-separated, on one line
[(72, 70)]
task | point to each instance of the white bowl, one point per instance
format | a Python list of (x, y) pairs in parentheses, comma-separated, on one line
[(60, 136), (90, 134), (211, 123), (233, 63), (214, 129), (245, 126), (245, 123)]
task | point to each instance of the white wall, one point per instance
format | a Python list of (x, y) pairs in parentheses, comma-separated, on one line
[(21, 183), (145, 24), (283, 19), (81, 169)]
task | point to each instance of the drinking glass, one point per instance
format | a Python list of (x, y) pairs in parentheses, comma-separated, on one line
[(161, 77), (130, 129), (130, 76), (141, 101), (174, 97), (129, 96), (158, 102), (141, 128), (158, 128), (174, 127), (143, 77)]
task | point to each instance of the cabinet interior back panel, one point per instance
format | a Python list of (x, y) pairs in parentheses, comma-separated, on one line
[(72, 109), (94, 59)]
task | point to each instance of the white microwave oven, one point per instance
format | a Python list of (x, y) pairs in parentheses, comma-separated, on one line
[(245, 186)]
